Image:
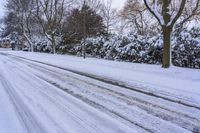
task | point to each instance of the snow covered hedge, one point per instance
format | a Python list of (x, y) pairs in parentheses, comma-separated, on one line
[(139, 49), (130, 48), (186, 49)]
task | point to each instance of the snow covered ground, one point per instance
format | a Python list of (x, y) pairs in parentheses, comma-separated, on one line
[(60, 93), (176, 83)]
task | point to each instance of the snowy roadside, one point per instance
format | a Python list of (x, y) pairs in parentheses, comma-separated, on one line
[(180, 83), (5, 49)]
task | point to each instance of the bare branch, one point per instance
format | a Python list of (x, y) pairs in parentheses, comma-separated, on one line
[(173, 20), (154, 11), (194, 13)]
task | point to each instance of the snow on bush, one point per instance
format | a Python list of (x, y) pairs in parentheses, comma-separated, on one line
[(186, 48), (139, 49)]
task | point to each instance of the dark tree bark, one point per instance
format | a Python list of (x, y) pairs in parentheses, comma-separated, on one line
[(84, 30), (166, 34), (167, 23), (166, 47)]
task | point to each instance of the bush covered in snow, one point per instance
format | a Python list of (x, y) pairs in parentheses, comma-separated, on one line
[(186, 48), (130, 48), (140, 49)]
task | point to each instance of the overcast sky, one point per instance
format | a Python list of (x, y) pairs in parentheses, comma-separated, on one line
[(2, 10), (116, 4)]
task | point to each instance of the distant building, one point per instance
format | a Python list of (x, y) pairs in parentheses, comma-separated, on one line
[(12, 41), (5, 43)]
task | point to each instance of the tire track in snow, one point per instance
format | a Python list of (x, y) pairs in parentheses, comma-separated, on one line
[(29, 122), (96, 103), (182, 120), (115, 83), (91, 127), (35, 128)]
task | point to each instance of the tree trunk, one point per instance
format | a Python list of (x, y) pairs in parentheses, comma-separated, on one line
[(32, 50), (53, 47), (29, 41), (84, 31), (167, 47), (53, 42)]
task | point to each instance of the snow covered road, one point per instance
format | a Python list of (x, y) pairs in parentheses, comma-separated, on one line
[(41, 98), (35, 106)]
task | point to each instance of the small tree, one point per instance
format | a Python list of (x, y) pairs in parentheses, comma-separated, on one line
[(167, 16), (75, 24)]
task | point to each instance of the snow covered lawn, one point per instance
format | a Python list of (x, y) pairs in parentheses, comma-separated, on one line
[(180, 84)]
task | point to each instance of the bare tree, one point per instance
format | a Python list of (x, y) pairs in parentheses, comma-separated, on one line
[(50, 14), (27, 22), (23, 9), (133, 14), (190, 14), (164, 12), (136, 16), (109, 15)]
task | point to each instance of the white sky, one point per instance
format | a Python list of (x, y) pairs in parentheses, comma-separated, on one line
[(2, 9), (118, 4)]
